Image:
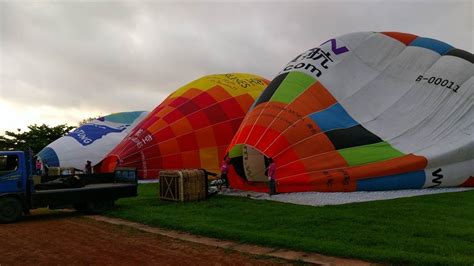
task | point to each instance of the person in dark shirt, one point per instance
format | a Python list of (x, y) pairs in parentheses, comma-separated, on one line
[(271, 171), (225, 170), (45, 168), (88, 168)]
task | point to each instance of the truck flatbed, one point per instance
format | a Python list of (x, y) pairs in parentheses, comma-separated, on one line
[(87, 187), (21, 190), (90, 192)]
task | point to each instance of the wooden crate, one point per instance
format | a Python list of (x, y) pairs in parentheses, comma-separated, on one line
[(183, 185), (54, 171)]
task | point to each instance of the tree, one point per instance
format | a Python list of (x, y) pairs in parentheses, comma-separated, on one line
[(88, 120), (36, 138)]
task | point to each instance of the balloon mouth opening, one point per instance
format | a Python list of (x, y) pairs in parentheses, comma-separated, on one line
[(249, 163), (108, 164)]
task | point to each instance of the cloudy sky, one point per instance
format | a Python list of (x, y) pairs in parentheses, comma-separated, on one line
[(62, 61)]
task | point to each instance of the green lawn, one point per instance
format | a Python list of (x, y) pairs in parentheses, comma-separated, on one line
[(428, 230)]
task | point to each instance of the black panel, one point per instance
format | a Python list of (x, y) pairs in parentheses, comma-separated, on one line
[(238, 163), (351, 137), (270, 90), (462, 54)]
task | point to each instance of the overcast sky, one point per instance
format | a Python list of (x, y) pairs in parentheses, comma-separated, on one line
[(63, 61)]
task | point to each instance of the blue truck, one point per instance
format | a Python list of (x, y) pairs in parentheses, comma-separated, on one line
[(21, 190)]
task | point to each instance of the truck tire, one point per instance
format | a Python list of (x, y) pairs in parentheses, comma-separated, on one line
[(10, 210), (94, 207)]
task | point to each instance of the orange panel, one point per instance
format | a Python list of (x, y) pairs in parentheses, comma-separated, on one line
[(301, 130), (265, 120), (218, 93), (252, 117), (268, 137), (191, 93), (255, 134), (209, 159), (243, 134), (325, 161), (245, 101), (405, 38), (327, 181), (313, 145), (181, 126), (169, 147), (221, 151), (404, 164), (290, 170), (277, 145), (270, 112), (191, 159), (164, 111), (205, 137), (159, 124), (315, 98)]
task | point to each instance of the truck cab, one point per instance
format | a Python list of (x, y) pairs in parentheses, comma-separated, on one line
[(20, 190), (14, 173)]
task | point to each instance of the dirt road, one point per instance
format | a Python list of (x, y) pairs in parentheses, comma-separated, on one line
[(67, 238)]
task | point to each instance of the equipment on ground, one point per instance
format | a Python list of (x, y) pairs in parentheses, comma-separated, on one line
[(184, 185)]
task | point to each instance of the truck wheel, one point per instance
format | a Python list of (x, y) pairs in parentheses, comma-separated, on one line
[(10, 210), (94, 207)]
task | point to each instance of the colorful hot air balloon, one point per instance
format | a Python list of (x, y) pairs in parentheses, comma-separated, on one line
[(190, 129), (364, 111), (91, 141)]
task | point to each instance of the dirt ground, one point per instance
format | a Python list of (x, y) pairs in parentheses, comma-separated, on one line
[(68, 238)]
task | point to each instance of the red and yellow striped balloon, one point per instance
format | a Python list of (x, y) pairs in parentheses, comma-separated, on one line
[(190, 129)]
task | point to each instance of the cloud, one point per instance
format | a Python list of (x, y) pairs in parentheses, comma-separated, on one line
[(91, 57)]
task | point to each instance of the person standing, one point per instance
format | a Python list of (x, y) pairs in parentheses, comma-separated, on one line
[(45, 168), (271, 171), (88, 168), (225, 170), (38, 166)]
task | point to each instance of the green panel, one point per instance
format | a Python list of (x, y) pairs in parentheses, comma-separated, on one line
[(293, 85), (369, 153), (236, 151), (123, 118)]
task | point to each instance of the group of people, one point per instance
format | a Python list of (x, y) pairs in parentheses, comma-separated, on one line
[(270, 173), (42, 167)]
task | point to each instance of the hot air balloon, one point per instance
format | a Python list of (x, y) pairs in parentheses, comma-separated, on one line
[(91, 141), (190, 129), (363, 111)]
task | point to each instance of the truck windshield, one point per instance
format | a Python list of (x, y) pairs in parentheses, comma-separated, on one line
[(8, 164)]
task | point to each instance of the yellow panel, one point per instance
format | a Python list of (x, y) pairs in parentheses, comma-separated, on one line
[(234, 83)]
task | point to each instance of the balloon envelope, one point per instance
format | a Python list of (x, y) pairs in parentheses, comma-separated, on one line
[(190, 129), (363, 111), (91, 141)]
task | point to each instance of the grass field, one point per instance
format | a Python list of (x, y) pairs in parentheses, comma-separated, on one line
[(426, 230)]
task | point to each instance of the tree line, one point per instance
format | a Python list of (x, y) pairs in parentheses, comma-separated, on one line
[(35, 138)]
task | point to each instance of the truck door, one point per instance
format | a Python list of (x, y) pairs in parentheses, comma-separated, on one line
[(11, 174)]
